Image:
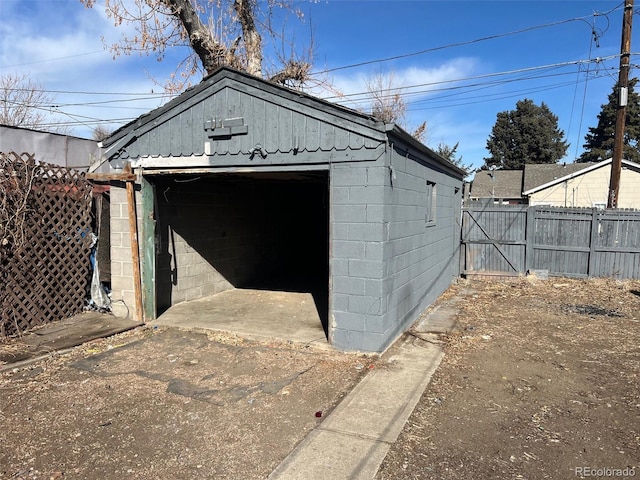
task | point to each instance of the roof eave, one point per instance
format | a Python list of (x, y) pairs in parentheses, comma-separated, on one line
[(418, 145)]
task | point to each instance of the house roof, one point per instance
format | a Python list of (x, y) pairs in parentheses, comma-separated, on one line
[(497, 184), (317, 125), (539, 177), (536, 175)]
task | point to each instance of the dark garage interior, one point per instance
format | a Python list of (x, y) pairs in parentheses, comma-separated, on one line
[(261, 231)]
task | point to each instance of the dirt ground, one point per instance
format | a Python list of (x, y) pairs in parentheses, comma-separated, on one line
[(542, 381), (167, 404), (540, 378)]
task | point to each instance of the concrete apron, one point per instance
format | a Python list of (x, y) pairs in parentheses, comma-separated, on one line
[(252, 314), (354, 439)]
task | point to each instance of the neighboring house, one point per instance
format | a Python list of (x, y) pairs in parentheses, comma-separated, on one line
[(559, 185), (503, 187), (245, 183), (55, 148), (580, 184)]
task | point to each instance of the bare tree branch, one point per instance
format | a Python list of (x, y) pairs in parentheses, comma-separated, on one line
[(218, 32), (252, 39), (25, 103), (210, 52)]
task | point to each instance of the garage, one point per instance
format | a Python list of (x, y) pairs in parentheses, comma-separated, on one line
[(246, 191)]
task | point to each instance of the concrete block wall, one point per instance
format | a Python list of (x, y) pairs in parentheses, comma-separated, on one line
[(213, 237), (357, 265), (122, 290), (387, 263), (421, 257)]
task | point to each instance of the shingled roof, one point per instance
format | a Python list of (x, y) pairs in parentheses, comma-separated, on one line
[(497, 184), (536, 175)]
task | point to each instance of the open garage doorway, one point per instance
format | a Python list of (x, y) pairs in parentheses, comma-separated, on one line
[(233, 248)]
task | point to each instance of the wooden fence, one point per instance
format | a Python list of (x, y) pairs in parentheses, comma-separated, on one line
[(573, 242), (45, 242)]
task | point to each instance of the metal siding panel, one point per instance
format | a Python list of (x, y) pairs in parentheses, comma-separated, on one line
[(245, 142), (154, 144), (193, 135), (163, 139), (236, 104), (271, 127), (232, 104), (259, 117), (369, 142), (312, 134), (285, 130), (298, 130), (356, 142), (175, 136), (341, 139), (327, 135), (211, 111)]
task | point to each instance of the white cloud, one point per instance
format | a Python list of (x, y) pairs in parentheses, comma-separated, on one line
[(415, 82), (69, 56), (420, 85)]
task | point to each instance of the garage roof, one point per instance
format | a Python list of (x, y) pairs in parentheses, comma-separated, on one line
[(236, 118)]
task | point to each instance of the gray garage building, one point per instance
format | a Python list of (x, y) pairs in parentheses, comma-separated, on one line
[(246, 184)]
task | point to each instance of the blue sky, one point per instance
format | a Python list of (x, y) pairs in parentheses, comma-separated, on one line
[(457, 90)]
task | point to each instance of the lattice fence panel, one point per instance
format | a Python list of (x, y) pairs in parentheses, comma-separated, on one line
[(46, 243)]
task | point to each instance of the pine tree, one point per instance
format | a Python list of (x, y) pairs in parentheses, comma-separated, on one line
[(528, 134), (599, 140), (451, 154)]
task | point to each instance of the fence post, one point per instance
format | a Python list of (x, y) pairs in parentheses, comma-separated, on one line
[(592, 243), (529, 235)]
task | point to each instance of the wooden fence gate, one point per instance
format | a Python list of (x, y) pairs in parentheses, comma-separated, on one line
[(45, 242), (573, 242)]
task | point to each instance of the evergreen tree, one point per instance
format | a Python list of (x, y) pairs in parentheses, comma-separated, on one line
[(599, 140), (451, 154), (528, 134)]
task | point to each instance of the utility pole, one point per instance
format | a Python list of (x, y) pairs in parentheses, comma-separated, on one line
[(623, 90)]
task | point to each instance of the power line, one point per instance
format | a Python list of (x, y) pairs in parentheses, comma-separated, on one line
[(467, 42), (54, 59), (485, 76)]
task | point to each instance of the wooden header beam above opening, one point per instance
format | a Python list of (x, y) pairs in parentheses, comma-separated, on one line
[(107, 177)]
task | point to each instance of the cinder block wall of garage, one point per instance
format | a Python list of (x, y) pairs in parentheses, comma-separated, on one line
[(357, 268), (420, 257), (213, 237), (217, 234), (122, 293), (387, 265), (197, 255)]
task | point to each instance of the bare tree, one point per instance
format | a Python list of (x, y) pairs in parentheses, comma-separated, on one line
[(25, 103), (388, 104), (100, 132), (218, 32)]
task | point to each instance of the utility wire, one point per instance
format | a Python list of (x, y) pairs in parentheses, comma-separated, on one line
[(487, 75), (54, 59), (584, 99), (467, 42)]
